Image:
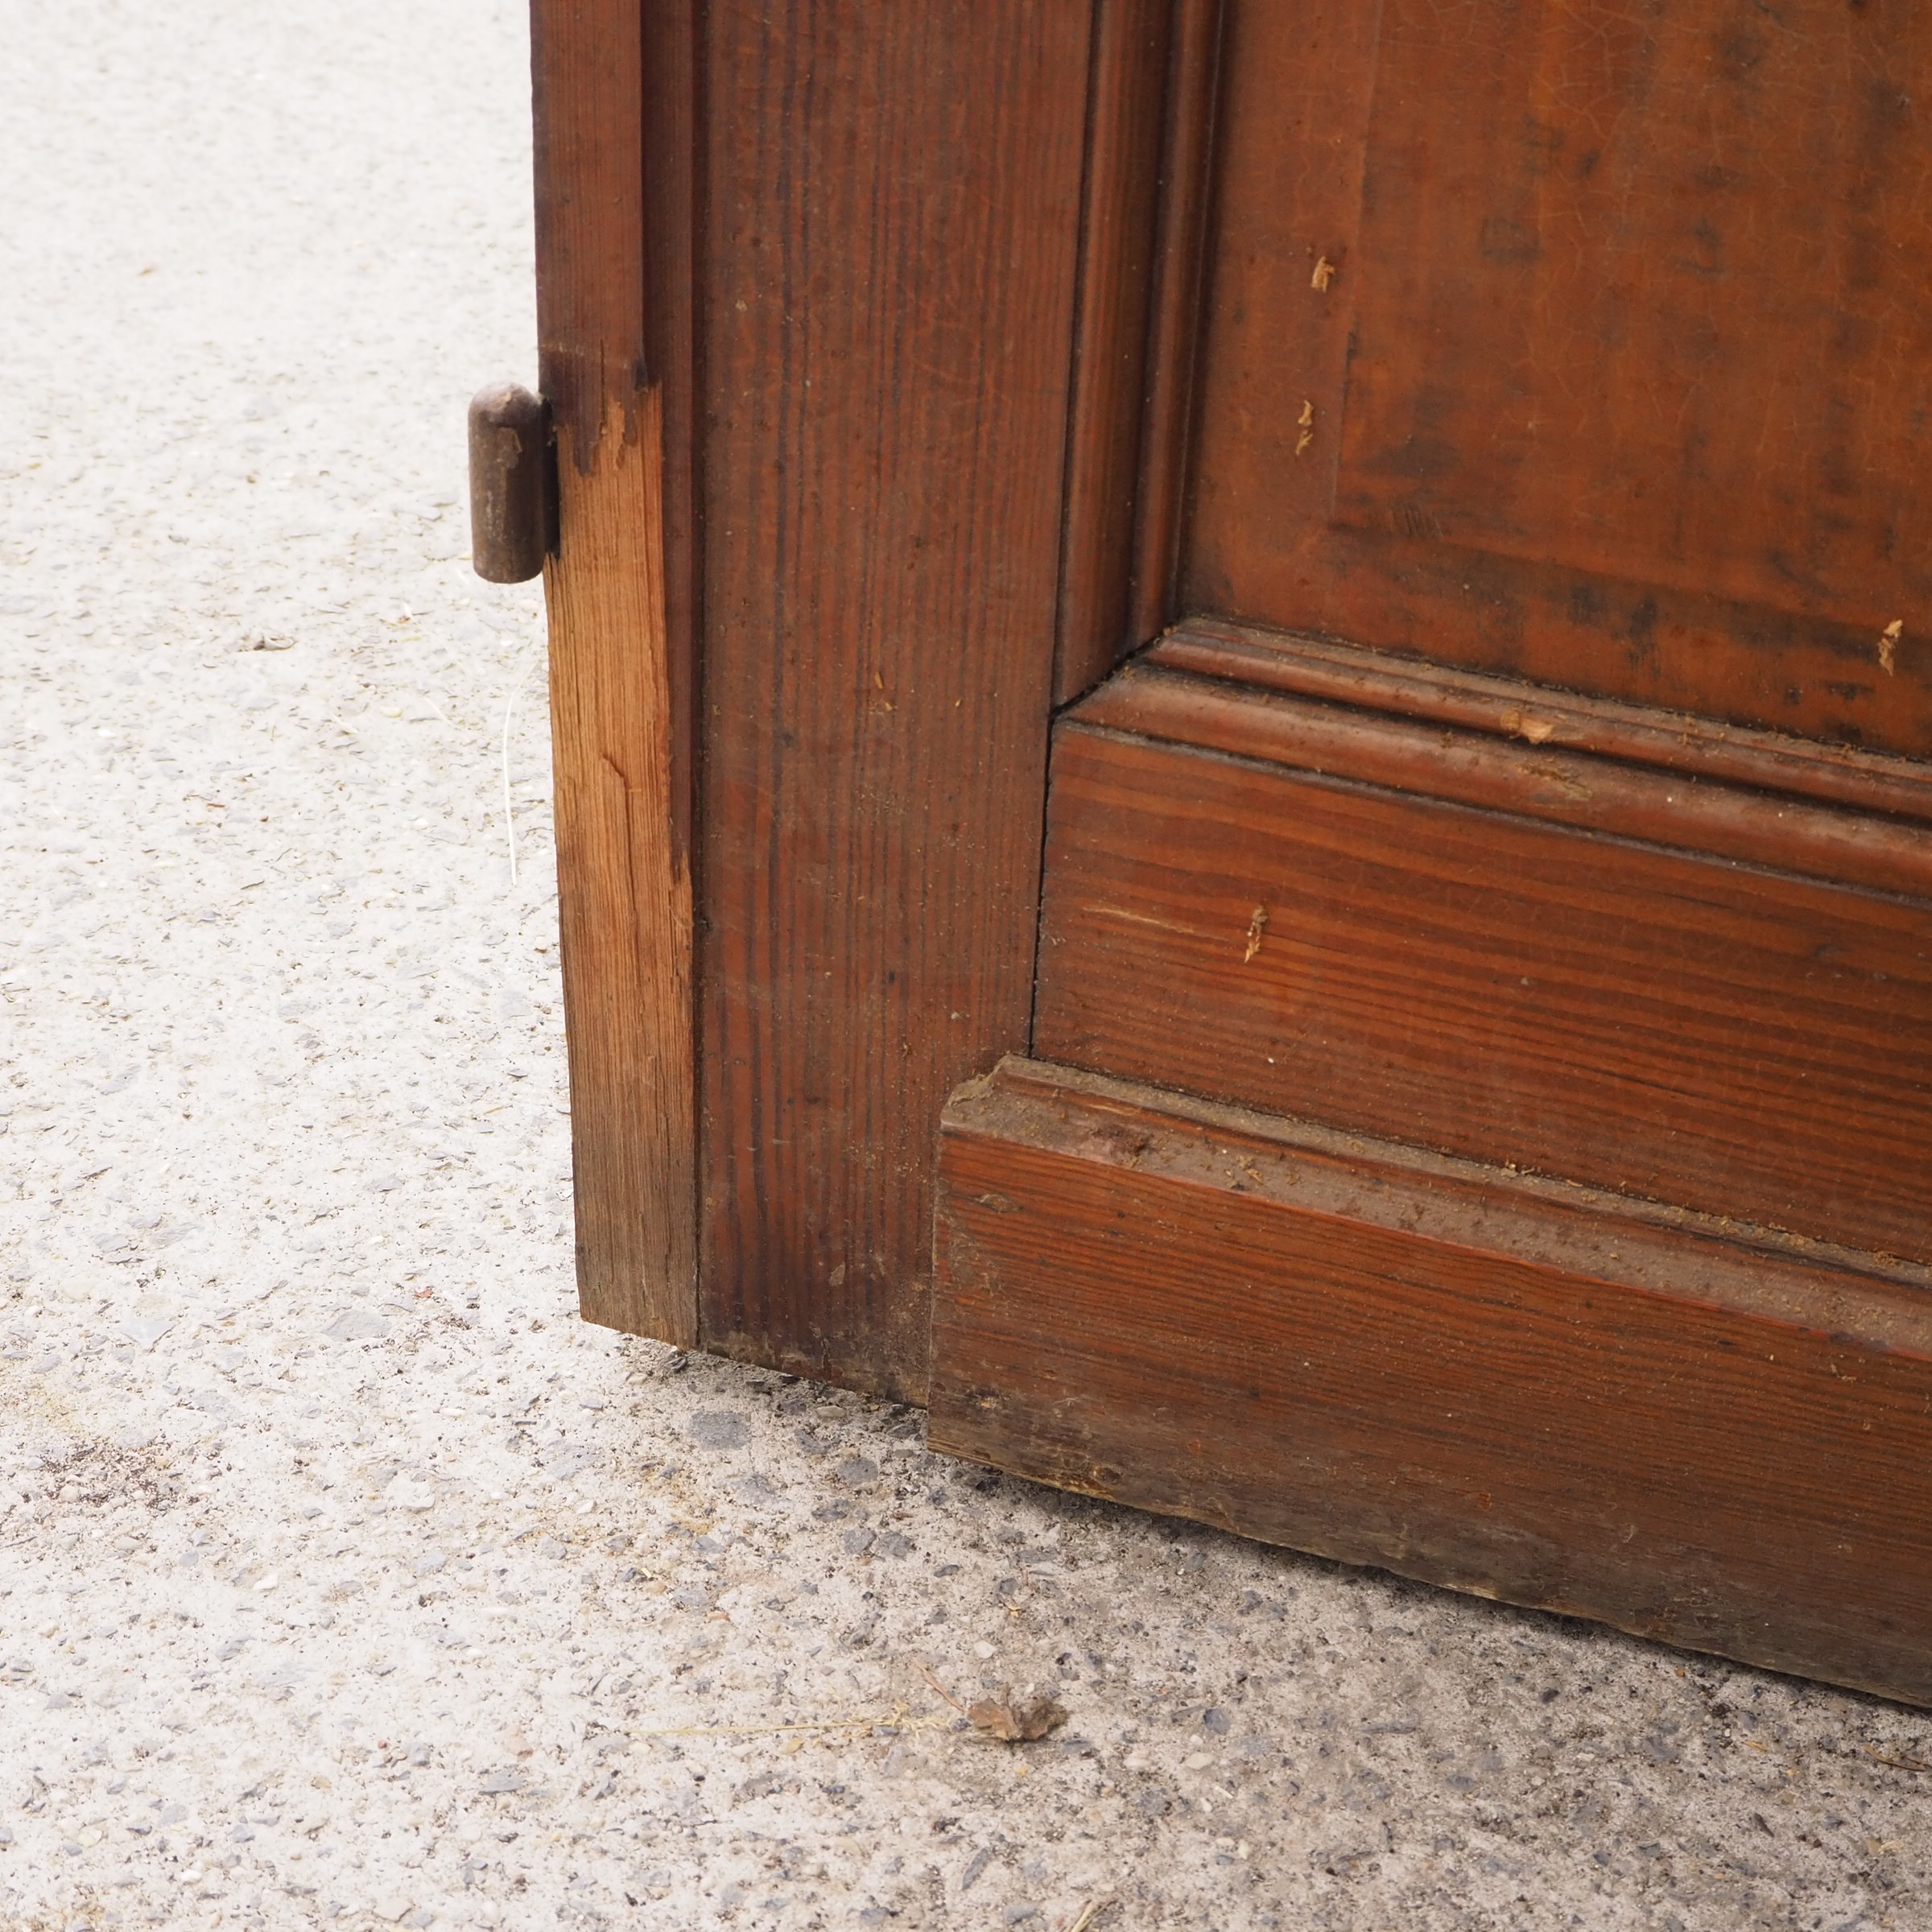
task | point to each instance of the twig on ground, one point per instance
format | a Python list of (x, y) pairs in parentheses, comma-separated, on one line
[(925, 1671), (896, 1720)]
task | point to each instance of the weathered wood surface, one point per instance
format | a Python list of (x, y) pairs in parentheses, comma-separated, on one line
[(1286, 928), (1708, 1435), (890, 247), (1618, 381), (619, 675)]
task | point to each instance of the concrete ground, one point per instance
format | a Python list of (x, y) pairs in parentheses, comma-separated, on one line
[(344, 1578)]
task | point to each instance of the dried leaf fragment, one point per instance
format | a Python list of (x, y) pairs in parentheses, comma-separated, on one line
[(1017, 1723)]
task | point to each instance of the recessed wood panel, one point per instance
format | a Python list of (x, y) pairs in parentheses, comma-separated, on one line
[(1290, 928), (1672, 290), (1620, 381), (1477, 1379)]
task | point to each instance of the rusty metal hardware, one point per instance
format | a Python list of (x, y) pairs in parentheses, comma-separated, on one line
[(513, 495)]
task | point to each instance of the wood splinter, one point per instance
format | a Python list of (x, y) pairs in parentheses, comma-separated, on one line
[(1256, 926)]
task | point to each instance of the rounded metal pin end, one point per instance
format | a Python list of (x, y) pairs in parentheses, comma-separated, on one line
[(511, 517)]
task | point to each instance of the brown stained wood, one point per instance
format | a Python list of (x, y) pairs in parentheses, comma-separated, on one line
[(1118, 208), (890, 250), (1539, 780), (619, 679), (1619, 384), (1187, 150), (1699, 748), (671, 104), (624, 893), (587, 79), (1770, 405), (1532, 1392), (1670, 1025)]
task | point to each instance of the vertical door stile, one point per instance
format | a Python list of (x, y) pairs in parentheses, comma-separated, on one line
[(620, 667)]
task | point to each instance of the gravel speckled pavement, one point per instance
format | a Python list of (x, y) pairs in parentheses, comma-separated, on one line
[(345, 1579)]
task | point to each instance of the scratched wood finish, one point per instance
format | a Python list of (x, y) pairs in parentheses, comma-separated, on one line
[(619, 675), (1504, 1386), (890, 242), (1620, 383), (1288, 929)]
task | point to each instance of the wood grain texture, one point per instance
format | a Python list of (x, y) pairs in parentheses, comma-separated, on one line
[(1119, 204), (1750, 433), (587, 82), (1678, 1026), (1482, 1381), (619, 682), (1187, 143), (890, 247), (1619, 384), (671, 95)]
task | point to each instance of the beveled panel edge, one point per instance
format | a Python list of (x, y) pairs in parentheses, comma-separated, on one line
[(1541, 714)]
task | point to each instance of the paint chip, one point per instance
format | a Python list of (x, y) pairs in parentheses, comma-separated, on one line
[(1521, 724)]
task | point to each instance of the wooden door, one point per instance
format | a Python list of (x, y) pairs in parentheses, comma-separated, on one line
[(1323, 613)]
